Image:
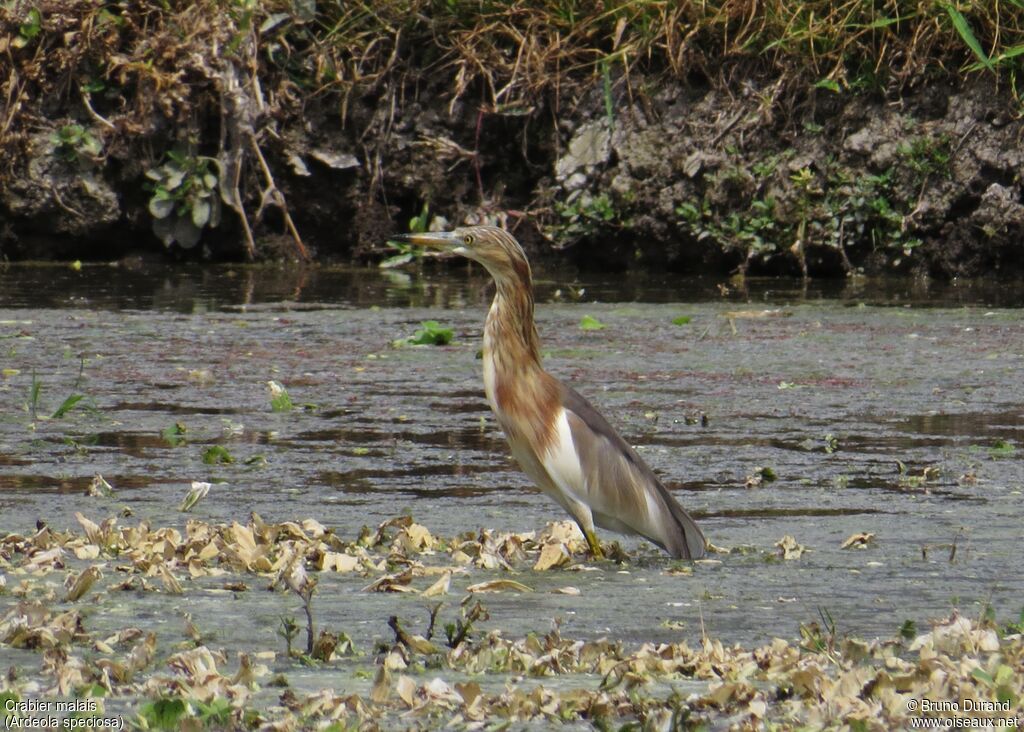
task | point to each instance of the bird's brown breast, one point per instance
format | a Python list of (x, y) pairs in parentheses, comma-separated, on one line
[(527, 407)]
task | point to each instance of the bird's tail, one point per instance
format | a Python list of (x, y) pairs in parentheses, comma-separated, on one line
[(683, 538)]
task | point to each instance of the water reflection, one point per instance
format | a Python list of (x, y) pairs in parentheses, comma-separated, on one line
[(198, 289)]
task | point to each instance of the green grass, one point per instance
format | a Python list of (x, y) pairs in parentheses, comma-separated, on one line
[(515, 54), (521, 52)]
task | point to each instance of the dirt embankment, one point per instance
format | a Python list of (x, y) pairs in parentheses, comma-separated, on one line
[(312, 132)]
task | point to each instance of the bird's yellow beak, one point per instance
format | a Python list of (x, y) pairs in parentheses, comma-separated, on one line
[(443, 240)]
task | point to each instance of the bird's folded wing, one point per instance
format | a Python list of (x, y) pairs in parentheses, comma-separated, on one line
[(621, 489)]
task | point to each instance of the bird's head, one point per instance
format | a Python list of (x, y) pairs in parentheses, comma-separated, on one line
[(494, 248)]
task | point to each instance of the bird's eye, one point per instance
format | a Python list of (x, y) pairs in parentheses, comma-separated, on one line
[(468, 240)]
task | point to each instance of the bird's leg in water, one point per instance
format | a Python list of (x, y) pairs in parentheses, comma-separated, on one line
[(593, 543)]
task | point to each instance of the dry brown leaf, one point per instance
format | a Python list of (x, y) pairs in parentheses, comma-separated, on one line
[(438, 692), (338, 562), (142, 655), (561, 532), (440, 587), (80, 584), (392, 583), (499, 585), (414, 539), (314, 528), (88, 551), (381, 689), (552, 555), (92, 530), (245, 541), (858, 541), (788, 548), (406, 689), (171, 583)]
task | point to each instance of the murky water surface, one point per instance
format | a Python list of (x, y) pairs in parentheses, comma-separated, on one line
[(837, 390)]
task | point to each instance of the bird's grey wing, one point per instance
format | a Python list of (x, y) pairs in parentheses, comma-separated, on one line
[(622, 487)]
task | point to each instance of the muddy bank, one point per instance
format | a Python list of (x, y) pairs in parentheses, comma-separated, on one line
[(128, 132)]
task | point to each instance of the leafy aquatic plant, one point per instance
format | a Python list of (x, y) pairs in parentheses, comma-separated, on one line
[(431, 333), (185, 198)]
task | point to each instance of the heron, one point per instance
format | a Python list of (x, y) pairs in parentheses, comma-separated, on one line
[(558, 438)]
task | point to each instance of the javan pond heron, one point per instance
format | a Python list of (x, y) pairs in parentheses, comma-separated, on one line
[(566, 447)]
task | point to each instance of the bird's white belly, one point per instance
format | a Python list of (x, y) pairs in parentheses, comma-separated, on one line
[(561, 461), (490, 376), (557, 470)]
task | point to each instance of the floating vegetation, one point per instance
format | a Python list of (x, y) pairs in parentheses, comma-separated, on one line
[(589, 322), (175, 434), (440, 677), (100, 487), (217, 455), (196, 493), (760, 476), (431, 333), (279, 399), (1001, 449), (67, 405)]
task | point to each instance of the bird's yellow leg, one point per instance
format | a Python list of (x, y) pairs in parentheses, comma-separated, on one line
[(593, 543)]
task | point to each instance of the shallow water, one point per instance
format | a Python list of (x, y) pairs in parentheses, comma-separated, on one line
[(839, 386)]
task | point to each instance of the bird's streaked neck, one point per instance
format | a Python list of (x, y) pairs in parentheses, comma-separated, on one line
[(510, 327), (521, 394)]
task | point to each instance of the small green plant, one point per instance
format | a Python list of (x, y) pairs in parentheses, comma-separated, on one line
[(196, 493), (908, 631), (751, 231), (185, 198), (589, 322), (460, 630), (279, 399), (408, 252), (964, 30), (418, 224), (217, 455), (75, 145), (682, 320), (1001, 449), (861, 209), (29, 30), (928, 156), (214, 714), (1015, 626), (67, 405), (431, 333), (820, 638), (288, 629), (34, 399), (175, 434), (166, 713), (1001, 683), (586, 215), (33, 395)]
